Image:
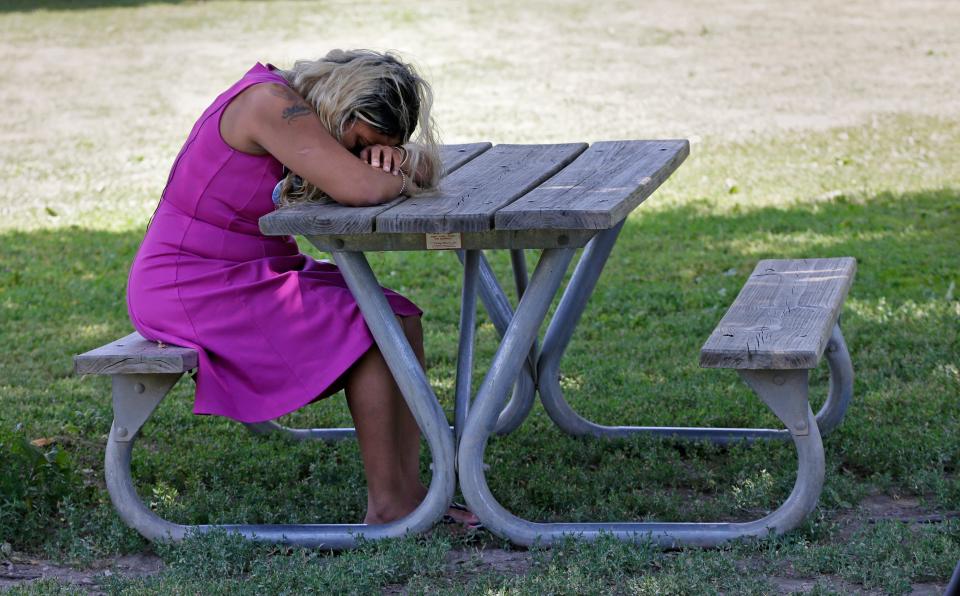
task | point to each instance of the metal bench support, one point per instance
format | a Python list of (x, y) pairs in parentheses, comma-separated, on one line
[(136, 396), (301, 434), (500, 311), (785, 392), (560, 332)]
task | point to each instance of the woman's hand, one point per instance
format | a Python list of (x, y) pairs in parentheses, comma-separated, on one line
[(387, 158)]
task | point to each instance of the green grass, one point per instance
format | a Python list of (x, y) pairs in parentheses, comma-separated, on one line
[(884, 189)]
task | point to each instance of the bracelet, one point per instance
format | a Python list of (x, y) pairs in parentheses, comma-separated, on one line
[(403, 186)]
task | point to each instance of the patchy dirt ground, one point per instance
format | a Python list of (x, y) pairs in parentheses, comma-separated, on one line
[(20, 570), (465, 563)]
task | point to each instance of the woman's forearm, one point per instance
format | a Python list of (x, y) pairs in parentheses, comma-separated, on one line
[(375, 188)]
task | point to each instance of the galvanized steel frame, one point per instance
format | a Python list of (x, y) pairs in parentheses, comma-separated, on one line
[(135, 397), (546, 379), (785, 392), (518, 363), (564, 322)]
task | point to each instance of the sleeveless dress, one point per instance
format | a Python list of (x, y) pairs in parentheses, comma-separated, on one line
[(275, 329)]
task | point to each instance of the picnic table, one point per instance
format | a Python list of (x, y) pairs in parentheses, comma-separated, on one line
[(551, 197), (555, 198)]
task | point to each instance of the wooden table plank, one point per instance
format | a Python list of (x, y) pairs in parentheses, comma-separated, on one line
[(600, 188), (488, 239), (330, 217), (783, 316), (453, 157), (469, 198)]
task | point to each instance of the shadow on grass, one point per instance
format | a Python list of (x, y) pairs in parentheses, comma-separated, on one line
[(53, 5), (905, 246), (665, 287), (76, 5)]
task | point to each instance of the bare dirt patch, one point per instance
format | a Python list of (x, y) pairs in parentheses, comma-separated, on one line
[(905, 509), (475, 561), (20, 570), (789, 585), (880, 508)]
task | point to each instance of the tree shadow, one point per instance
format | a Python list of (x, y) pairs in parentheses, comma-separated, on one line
[(668, 282), (64, 5), (668, 262), (674, 272), (78, 5)]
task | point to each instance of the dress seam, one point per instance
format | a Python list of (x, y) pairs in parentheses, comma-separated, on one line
[(253, 195), (176, 269)]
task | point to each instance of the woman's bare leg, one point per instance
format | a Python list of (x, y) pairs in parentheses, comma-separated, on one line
[(407, 432), (388, 434), (375, 404)]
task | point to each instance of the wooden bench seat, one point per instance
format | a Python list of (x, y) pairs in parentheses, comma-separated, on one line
[(783, 317), (134, 354)]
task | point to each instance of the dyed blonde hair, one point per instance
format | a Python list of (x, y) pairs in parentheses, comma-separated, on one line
[(372, 87)]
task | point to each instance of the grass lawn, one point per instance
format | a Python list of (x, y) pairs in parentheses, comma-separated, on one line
[(817, 131)]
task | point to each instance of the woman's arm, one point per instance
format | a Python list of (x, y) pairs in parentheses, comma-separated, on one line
[(273, 117)]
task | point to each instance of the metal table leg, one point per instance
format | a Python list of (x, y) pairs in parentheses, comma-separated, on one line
[(520, 280), (954, 586), (519, 263), (498, 307), (415, 387), (468, 312)]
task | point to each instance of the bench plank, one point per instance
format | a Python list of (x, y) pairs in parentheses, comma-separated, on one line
[(134, 354), (600, 188), (783, 316), (470, 197), (330, 217)]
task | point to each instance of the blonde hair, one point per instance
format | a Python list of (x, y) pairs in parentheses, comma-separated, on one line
[(372, 87)]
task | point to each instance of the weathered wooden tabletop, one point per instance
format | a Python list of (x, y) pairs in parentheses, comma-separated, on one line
[(503, 196)]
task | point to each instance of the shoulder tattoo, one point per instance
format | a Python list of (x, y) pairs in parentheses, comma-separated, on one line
[(294, 111), (297, 107)]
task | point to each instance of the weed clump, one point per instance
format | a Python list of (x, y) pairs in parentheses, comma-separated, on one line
[(33, 484)]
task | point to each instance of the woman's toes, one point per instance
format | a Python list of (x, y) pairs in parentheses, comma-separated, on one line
[(461, 515)]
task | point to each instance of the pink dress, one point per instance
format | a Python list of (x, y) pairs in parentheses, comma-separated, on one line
[(274, 329)]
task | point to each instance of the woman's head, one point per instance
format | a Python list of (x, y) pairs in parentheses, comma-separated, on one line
[(347, 88)]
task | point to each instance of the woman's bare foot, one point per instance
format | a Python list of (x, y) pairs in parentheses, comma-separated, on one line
[(459, 514), (388, 513), (397, 508), (455, 514)]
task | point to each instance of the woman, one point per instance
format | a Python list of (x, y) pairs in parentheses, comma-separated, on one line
[(276, 329)]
